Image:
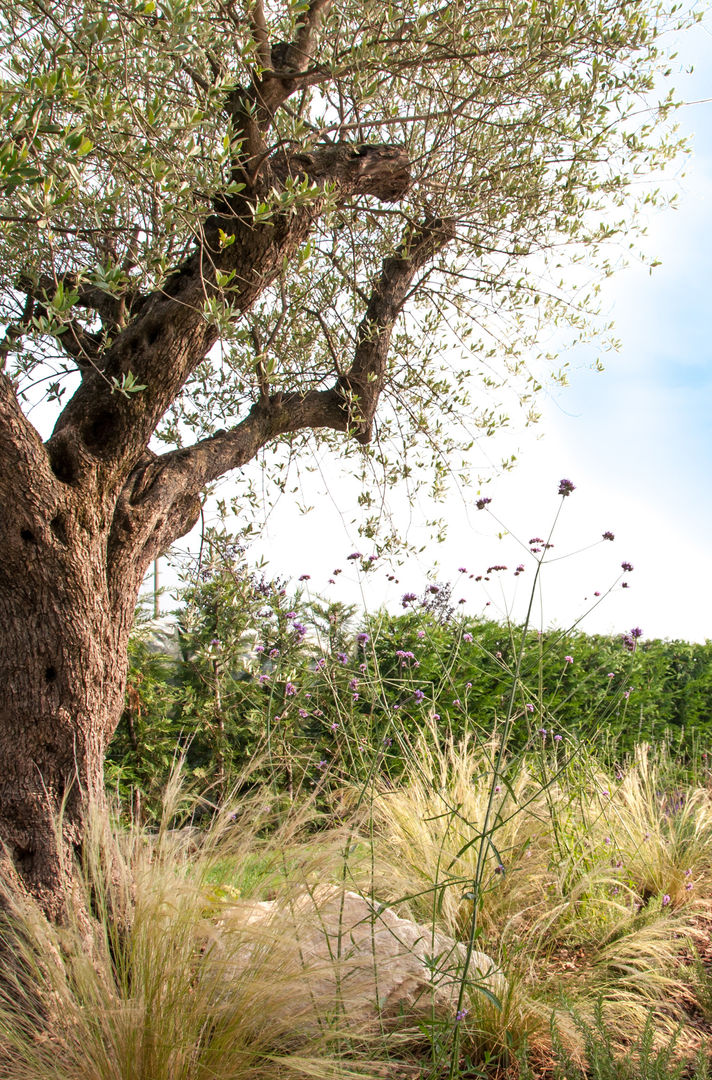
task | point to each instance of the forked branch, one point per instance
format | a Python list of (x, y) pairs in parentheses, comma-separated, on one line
[(348, 406)]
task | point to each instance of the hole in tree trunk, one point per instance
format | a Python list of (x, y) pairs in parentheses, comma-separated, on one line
[(98, 435), (58, 526), (24, 859), (28, 536), (63, 464), (154, 333), (50, 673)]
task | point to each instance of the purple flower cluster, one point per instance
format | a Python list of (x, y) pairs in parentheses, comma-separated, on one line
[(566, 487), (482, 503), (630, 640)]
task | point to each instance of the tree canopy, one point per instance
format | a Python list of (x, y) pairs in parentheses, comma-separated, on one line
[(265, 186)]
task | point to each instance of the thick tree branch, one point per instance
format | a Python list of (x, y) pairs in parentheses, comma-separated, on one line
[(381, 170), (152, 510), (111, 309), (15, 331), (260, 33), (362, 385), (24, 466), (253, 111), (79, 344), (170, 336)]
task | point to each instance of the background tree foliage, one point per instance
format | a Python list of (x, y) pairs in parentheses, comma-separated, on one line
[(257, 669)]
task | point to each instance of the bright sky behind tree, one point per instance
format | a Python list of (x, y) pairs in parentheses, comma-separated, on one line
[(636, 441)]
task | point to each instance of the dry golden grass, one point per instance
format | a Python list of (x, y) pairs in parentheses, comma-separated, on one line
[(593, 905), (591, 910)]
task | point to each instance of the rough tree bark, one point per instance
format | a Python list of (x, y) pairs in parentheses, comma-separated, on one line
[(84, 514)]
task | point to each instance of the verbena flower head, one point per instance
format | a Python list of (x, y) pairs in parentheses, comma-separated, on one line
[(354, 555), (566, 487), (568, 659), (362, 639), (608, 536), (482, 503), (627, 567), (305, 577)]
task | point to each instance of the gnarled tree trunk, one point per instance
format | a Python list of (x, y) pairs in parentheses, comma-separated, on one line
[(62, 677)]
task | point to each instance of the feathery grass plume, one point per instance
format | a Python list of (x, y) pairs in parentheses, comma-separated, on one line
[(426, 831), (169, 990), (664, 833)]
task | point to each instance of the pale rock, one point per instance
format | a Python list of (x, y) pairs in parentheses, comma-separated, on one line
[(362, 957)]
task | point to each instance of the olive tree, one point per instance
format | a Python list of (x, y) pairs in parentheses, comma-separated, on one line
[(213, 215)]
